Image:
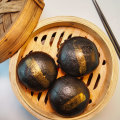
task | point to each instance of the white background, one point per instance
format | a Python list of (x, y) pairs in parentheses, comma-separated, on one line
[(11, 109)]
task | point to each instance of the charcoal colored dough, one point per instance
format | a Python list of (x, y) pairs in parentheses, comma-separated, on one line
[(78, 56), (37, 71), (69, 96)]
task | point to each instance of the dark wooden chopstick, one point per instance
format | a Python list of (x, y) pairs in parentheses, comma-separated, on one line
[(108, 29)]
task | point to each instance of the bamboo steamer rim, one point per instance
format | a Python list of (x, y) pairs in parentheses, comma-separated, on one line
[(47, 23), (7, 49)]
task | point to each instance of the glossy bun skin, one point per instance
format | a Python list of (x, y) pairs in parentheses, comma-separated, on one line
[(78, 56), (37, 71), (69, 96)]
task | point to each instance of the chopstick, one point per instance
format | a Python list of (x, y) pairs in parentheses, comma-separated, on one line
[(107, 28)]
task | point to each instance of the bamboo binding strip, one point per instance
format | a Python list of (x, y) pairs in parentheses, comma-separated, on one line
[(47, 38), (18, 19)]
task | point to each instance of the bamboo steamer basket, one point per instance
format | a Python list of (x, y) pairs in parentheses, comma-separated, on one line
[(18, 18), (51, 33)]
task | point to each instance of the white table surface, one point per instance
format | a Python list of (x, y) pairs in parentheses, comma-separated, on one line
[(11, 109)]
